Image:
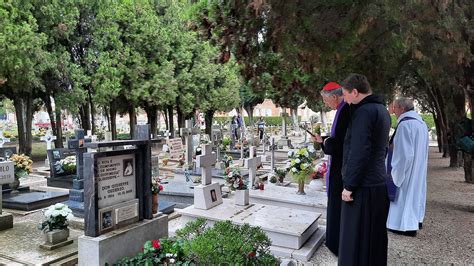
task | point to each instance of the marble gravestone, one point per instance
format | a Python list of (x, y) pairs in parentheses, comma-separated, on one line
[(7, 152), (207, 194), (3, 140), (7, 176), (58, 176), (175, 147), (251, 164), (188, 132), (117, 185)]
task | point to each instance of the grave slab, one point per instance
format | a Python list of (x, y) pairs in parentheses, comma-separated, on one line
[(33, 200), (285, 196), (288, 228), (123, 242)]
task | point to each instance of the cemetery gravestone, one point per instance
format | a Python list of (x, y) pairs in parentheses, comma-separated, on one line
[(60, 176), (188, 134), (117, 185), (3, 140), (7, 176), (207, 194), (7, 152), (175, 147), (252, 163), (48, 138)]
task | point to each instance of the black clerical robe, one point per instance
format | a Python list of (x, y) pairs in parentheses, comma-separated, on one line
[(363, 236), (333, 146)]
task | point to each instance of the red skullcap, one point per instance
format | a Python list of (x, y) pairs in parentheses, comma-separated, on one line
[(331, 86)]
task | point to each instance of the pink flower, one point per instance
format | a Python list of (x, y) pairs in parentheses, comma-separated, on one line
[(252, 254)]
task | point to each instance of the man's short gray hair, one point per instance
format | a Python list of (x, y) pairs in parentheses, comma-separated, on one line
[(405, 103), (337, 92)]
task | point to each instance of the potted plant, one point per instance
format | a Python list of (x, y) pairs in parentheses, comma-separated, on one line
[(237, 183), (226, 141), (300, 165), (318, 176), (156, 187), (280, 174), (23, 167), (55, 227)]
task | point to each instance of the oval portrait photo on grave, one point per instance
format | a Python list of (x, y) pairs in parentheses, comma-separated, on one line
[(127, 167)]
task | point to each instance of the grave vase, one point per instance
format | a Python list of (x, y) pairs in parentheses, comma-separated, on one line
[(55, 236), (301, 188), (14, 186), (154, 206), (242, 197)]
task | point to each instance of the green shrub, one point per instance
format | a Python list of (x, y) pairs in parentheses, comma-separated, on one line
[(224, 243), (428, 118)]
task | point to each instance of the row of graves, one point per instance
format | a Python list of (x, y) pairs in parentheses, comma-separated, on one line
[(111, 190)]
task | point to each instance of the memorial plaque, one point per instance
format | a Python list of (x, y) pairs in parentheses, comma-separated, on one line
[(7, 172), (116, 179), (176, 147), (126, 212)]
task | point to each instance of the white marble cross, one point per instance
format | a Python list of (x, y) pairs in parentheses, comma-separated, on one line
[(49, 139), (188, 133), (205, 162), (251, 164), (3, 140)]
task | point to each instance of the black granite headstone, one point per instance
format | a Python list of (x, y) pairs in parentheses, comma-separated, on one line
[(7, 152), (59, 176)]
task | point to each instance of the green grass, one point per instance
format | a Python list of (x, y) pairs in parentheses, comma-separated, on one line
[(38, 151)]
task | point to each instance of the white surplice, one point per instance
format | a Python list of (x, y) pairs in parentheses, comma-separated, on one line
[(409, 168)]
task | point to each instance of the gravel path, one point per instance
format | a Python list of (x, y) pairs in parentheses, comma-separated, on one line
[(447, 236)]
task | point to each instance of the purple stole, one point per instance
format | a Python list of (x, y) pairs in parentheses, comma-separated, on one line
[(333, 134), (391, 188)]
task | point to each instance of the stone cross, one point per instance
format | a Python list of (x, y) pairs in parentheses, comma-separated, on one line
[(188, 132), (108, 138), (49, 139), (251, 164), (3, 140), (205, 162)]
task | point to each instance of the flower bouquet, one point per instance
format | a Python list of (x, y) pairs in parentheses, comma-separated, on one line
[(68, 165), (227, 160), (156, 185), (56, 217), (281, 173), (300, 165), (23, 165)]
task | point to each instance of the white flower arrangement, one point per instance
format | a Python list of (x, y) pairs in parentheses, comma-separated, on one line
[(300, 163), (57, 217)]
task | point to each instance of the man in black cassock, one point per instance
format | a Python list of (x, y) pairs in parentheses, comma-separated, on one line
[(333, 146), (363, 236)]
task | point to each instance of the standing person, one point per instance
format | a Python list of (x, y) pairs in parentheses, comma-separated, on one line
[(261, 129), (409, 164), (235, 126), (333, 146), (363, 236)]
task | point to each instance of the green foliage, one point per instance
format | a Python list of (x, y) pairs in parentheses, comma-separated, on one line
[(428, 118), (224, 243), (269, 120)]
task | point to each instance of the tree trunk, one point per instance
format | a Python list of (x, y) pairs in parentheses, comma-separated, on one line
[(93, 112), (152, 116), (249, 110), (438, 132), (209, 115), (170, 120), (84, 115), (58, 143), (113, 121), (24, 115), (468, 170), (133, 121), (458, 103), (165, 115), (181, 118)]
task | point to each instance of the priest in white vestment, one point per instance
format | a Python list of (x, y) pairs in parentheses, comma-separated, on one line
[(409, 168)]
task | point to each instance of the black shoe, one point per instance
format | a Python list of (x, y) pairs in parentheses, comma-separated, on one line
[(403, 233), (420, 225)]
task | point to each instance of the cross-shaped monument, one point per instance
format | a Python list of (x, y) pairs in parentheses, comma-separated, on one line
[(207, 194), (251, 164), (3, 140), (188, 132), (48, 138)]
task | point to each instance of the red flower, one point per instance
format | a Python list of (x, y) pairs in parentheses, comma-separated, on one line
[(161, 187), (156, 244), (252, 254)]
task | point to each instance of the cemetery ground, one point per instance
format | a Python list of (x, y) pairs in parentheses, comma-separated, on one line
[(446, 237)]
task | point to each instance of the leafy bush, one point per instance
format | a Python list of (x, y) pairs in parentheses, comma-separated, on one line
[(224, 243), (428, 118)]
